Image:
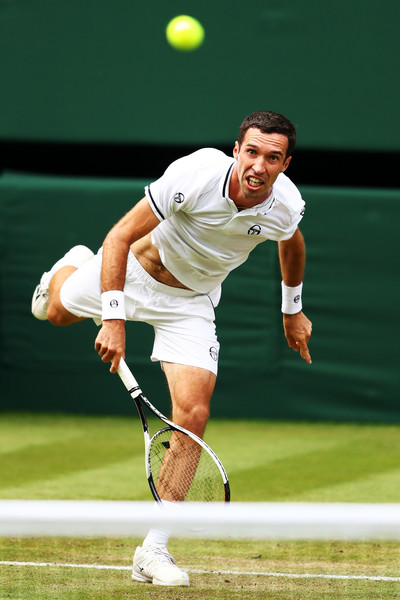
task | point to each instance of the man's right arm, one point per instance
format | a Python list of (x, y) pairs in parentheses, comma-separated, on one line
[(138, 222)]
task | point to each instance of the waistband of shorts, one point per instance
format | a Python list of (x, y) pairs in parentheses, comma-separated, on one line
[(140, 273)]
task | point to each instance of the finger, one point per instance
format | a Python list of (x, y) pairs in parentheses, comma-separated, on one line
[(103, 353), (115, 363), (305, 353), (292, 343), (98, 346), (107, 355)]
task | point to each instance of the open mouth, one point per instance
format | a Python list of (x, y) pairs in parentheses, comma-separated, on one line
[(254, 182)]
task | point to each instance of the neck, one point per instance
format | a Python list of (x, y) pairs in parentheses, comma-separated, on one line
[(243, 203)]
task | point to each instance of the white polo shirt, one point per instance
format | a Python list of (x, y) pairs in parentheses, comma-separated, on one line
[(202, 235)]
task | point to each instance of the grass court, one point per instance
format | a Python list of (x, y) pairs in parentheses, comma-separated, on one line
[(80, 457)]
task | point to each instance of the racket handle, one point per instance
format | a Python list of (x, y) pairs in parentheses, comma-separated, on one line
[(127, 378)]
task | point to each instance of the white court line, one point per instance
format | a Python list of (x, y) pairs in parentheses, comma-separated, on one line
[(205, 572), (15, 563)]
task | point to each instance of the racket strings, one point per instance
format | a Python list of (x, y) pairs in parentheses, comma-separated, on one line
[(183, 470)]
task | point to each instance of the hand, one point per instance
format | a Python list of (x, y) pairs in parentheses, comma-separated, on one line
[(298, 332), (110, 342)]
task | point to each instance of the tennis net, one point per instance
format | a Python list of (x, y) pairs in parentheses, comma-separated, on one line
[(237, 520)]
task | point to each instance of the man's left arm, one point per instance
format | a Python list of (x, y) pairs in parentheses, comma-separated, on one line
[(297, 327)]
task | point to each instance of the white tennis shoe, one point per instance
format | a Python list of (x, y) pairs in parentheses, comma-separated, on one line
[(156, 565), (40, 299)]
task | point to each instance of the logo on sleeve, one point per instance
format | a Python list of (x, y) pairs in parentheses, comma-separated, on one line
[(254, 230), (179, 198)]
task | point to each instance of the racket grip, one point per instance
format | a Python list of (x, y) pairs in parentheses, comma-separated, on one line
[(127, 377)]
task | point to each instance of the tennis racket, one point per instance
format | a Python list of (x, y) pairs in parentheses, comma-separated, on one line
[(180, 466)]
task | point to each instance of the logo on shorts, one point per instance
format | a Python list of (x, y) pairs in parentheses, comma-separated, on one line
[(114, 303), (179, 198), (214, 353), (255, 230)]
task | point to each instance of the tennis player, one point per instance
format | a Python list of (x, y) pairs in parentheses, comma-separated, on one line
[(164, 262)]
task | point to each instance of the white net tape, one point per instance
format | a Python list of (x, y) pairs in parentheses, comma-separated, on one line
[(237, 520)]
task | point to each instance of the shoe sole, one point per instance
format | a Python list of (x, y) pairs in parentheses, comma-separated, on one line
[(144, 579), (181, 584)]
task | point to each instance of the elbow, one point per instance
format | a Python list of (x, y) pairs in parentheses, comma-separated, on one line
[(295, 242), (116, 238)]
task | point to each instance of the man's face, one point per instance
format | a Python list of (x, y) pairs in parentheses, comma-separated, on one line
[(260, 159)]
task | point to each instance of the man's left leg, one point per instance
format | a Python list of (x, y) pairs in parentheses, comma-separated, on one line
[(191, 389), (46, 294)]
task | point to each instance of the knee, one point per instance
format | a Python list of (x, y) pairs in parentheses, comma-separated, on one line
[(194, 417), (59, 317), (200, 414)]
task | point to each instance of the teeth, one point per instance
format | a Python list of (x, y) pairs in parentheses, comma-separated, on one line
[(255, 181)]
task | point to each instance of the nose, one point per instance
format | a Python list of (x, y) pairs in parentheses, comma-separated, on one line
[(259, 165)]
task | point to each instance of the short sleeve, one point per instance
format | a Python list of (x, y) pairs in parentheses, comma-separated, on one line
[(183, 181)]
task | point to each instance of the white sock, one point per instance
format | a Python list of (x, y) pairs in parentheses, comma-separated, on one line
[(159, 537), (156, 538)]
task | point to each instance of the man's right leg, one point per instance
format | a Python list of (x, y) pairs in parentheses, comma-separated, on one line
[(191, 389)]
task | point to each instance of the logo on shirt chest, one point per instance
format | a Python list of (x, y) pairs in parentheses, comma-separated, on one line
[(179, 197), (254, 230)]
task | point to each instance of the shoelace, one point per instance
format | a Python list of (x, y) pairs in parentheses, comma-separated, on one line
[(162, 556), (44, 285), (43, 292)]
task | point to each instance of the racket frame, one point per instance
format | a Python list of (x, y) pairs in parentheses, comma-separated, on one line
[(140, 399)]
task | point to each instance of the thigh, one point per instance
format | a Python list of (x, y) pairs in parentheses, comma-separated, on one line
[(191, 389), (185, 334), (81, 292)]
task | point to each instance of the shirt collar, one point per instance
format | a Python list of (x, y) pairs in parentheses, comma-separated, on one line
[(225, 180)]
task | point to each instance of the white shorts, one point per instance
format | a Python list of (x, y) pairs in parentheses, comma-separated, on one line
[(183, 320)]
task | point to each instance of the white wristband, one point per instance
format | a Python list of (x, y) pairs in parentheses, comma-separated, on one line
[(291, 299), (113, 305)]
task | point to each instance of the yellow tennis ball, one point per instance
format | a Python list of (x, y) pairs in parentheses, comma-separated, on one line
[(185, 33)]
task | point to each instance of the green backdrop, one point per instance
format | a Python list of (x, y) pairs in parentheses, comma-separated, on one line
[(101, 70), (351, 292)]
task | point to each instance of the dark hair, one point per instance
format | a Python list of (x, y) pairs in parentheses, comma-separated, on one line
[(270, 122)]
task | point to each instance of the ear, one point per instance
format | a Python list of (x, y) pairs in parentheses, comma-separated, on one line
[(286, 163), (236, 150)]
